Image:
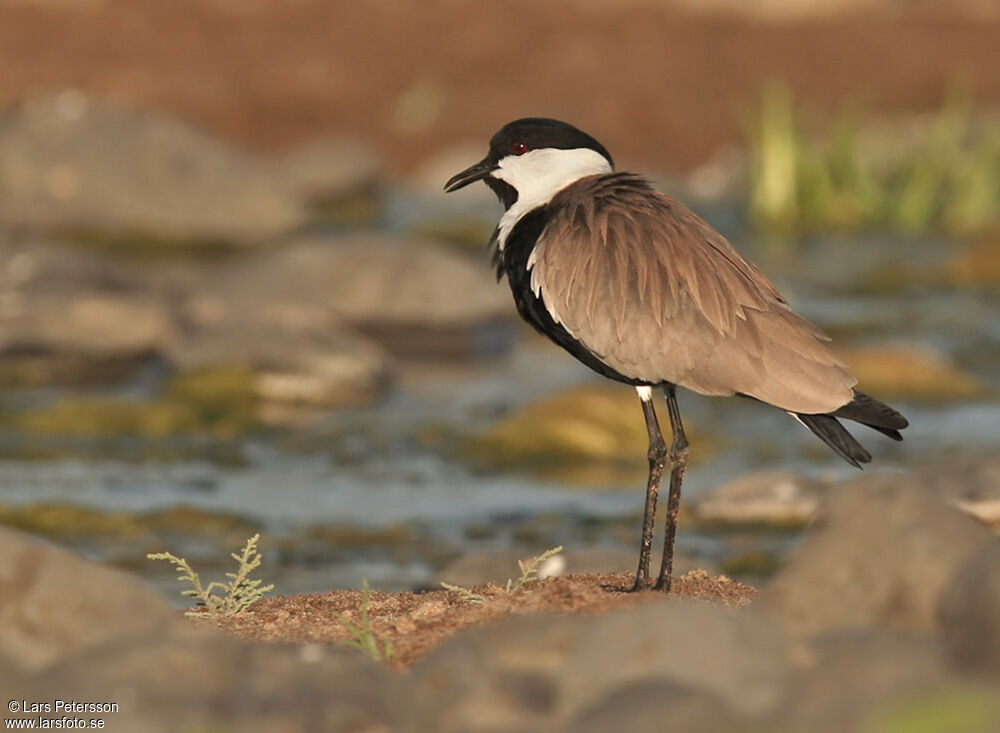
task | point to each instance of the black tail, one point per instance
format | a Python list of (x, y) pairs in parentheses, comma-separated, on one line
[(863, 409)]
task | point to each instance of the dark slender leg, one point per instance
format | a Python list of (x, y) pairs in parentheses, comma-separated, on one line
[(657, 460), (678, 461)]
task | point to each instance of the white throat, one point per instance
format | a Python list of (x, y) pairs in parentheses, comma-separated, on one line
[(538, 175)]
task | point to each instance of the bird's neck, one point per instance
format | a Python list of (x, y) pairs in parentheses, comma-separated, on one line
[(537, 176)]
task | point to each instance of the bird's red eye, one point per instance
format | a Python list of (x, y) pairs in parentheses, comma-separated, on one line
[(519, 148)]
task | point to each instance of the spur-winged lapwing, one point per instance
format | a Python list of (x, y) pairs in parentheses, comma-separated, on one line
[(641, 290)]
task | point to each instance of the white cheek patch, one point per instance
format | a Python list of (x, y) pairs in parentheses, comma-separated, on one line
[(538, 175)]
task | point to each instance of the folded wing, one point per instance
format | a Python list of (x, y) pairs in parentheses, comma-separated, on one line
[(659, 295)]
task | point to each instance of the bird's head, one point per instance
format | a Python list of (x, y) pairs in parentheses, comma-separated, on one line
[(533, 159)]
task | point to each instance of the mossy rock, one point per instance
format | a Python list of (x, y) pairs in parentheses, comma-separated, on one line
[(588, 435), (68, 521), (219, 402), (910, 372)]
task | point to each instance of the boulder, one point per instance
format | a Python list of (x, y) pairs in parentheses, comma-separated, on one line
[(655, 705), (767, 497), (880, 555), (536, 673), (80, 337), (199, 679), (94, 170), (847, 681), (54, 605), (338, 179), (972, 483), (89, 324), (299, 350), (969, 612), (414, 298)]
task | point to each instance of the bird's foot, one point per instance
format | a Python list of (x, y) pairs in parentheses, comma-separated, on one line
[(663, 584)]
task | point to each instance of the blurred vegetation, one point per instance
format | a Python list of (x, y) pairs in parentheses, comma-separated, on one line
[(942, 175)]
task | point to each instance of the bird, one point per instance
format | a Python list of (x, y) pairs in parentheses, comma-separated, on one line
[(643, 291)]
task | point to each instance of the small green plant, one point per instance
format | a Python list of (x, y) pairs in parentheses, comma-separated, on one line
[(221, 599), (362, 636), (529, 574), (464, 593)]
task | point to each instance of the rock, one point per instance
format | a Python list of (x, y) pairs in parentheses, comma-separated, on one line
[(497, 566), (780, 498), (54, 605), (79, 337), (198, 679), (653, 706), (81, 166), (911, 372), (298, 349), (972, 483), (96, 325), (969, 612), (337, 178), (575, 435), (846, 680), (221, 402), (415, 299), (536, 673), (880, 554)]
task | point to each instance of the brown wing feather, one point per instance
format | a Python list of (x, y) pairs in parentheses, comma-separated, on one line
[(657, 294)]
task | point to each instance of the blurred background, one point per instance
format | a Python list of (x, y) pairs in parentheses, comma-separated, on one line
[(234, 298)]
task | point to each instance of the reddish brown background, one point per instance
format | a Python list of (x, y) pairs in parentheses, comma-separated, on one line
[(655, 83)]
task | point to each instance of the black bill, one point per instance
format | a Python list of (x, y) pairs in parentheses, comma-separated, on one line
[(474, 173)]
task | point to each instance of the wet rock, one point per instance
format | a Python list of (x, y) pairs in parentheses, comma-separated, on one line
[(339, 179), (93, 326), (537, 673), (200, 680), (970, 612), (575, 435), (912, 372), (881, 554), (655, 705), (497, 566), (298, 349), (415, 299), (780, 498), (81, 166), (54, 605)]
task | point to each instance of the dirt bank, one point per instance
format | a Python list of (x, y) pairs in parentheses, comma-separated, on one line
[(415, 623)]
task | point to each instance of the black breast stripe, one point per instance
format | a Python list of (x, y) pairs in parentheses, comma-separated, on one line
[(513, 262)]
